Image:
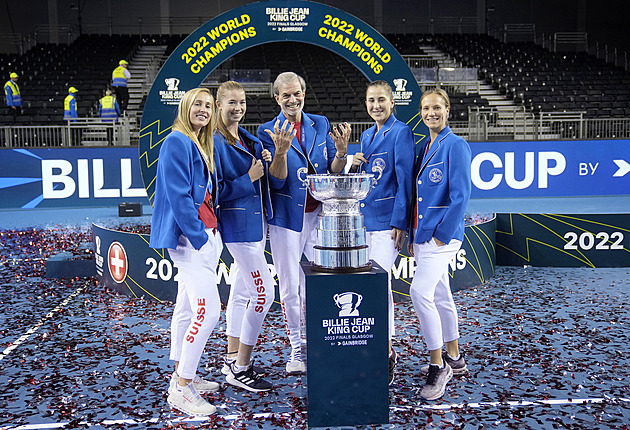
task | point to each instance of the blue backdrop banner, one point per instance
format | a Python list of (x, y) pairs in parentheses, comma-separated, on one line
[(551, 168), (69, 177), (74, 177)]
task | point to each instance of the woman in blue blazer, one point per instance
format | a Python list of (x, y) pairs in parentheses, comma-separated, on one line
[(184, 222), (442, 188), (242, 220), (387, 150)]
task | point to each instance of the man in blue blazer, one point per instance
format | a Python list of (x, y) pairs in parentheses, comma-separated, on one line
[(300, 144)]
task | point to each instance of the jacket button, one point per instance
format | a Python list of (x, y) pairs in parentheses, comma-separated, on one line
[(420, 182), (419, 199), (316, 165), (362, 205), (419, 216)]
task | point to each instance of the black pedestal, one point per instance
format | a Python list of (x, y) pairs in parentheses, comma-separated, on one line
[(347, 347)]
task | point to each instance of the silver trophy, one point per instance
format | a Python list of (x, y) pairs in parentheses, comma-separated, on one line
[(341, 243)]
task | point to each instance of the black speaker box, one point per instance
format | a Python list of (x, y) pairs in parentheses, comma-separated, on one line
[(130, 209)]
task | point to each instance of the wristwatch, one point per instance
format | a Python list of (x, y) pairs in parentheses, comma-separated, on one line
[(345, 156)]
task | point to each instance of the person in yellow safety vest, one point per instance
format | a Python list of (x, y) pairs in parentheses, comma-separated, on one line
[(109, 111), (108, 108), (70, 105), (13, 96), (120, 75)]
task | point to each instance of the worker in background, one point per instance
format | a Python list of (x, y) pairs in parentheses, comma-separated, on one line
[(70, 105), (69, 113), (120, 75), (13, 96), (109, 111)]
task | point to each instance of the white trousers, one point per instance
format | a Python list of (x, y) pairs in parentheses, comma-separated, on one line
[(431, 292), (381, 249), (252, 292), (287, 247), (198, 305)]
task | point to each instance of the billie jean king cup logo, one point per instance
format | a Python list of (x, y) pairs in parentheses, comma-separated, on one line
[(172, 84), (348, 303), (400, 84)]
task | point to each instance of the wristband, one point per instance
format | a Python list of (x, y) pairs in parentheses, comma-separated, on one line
[(345, 156)]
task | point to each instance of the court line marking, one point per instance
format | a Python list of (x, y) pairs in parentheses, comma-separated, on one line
[(515, 403), (233, 417), (41, 322)]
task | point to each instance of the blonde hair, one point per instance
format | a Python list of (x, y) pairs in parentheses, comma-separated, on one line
[(182, 123), (221, 127)]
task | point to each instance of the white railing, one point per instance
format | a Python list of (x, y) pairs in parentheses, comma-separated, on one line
[(484, 124), (465, 87), (420, 61), (79, 132), (251, 88), (150, 73), (570, 41)]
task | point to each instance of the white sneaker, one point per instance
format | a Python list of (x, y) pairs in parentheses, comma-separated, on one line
[(226, 365), (200, 385), (295, 365), (189, 401), (436, 382)]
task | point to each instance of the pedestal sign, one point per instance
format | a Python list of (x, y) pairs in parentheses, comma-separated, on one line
[(347, 347)]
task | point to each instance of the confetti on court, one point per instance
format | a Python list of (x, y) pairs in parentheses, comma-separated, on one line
[(547, 348)]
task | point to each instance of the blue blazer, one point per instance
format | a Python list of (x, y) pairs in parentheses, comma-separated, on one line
[(442, 188), (180, 187), (241, 212), (391, 149), (288, 196)]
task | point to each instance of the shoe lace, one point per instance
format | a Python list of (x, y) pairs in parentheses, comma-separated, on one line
[(250, 373), (192, 396), (433, 373), (296, 354)]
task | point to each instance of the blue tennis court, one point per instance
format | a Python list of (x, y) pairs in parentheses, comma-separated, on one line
[(547, 348)]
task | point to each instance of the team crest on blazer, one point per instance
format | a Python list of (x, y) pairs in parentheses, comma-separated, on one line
[(435, 175), (378, 165), (300, 171)]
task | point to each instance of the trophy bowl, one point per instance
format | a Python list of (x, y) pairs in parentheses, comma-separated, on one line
[(341, 245), (355, 186)]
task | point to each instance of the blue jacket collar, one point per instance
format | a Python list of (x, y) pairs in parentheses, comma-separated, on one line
[(434, 147), (374, 138)]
